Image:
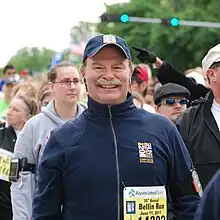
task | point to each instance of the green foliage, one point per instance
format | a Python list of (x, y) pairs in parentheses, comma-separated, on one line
[(82, 32), (79, 35), (182, 46), (35, 59)]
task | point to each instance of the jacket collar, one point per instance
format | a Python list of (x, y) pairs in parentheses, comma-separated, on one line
[(209, 99), (208, 116), (96, 109)]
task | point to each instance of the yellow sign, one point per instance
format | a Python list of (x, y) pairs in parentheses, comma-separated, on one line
[(5, 163), (145, 203)]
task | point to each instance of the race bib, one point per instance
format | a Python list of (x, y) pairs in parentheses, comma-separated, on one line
[(145, 203), (5, 163)]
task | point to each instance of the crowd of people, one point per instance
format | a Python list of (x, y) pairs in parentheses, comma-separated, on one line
[(84, 138)]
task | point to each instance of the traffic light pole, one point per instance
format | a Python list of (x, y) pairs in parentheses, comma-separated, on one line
[(181, 22)]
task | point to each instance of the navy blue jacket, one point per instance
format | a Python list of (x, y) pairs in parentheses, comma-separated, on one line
[(79, 166), (209, 206)]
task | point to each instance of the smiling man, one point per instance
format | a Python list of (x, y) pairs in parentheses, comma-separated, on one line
[(114, 160)]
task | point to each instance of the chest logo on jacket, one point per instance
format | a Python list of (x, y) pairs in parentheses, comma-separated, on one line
[(145, 152)]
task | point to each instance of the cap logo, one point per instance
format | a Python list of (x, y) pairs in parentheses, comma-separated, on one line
[(109, 39)]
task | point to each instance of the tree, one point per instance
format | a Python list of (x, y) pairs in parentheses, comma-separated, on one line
[(182, 46), (79, 35), (82, 32), (35, 59)]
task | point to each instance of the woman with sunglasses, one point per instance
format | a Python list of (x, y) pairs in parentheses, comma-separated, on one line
[(171, 100)]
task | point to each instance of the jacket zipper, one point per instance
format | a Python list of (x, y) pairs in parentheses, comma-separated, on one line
[(117, 163)]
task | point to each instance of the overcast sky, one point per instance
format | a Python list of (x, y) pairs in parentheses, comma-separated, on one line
[(42, 22)]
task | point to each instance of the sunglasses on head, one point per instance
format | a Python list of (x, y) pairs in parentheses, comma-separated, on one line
[(171, 102)]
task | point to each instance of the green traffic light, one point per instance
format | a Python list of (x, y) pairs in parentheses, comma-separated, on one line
[(175, 22), (124, 18)]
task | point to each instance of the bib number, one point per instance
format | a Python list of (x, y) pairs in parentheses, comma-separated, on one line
[(153, 218), (145, 203), (5, 164)]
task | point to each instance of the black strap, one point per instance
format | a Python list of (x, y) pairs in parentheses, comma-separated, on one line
[(29, 167), (183, 189), (25, 166)]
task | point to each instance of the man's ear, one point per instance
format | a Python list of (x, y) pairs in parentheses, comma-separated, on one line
[(82, 71), (211, 75), (131, 66)]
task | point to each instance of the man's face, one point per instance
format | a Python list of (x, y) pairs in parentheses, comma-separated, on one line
[(213, 74), (67, 85), (107, 76), (172, 107), (10, 73)]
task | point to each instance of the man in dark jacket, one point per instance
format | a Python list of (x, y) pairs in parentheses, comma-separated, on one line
[(115, 161), (200, 124)]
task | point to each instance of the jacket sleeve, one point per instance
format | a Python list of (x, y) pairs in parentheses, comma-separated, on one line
[(48, 198), (168, 74), (184, 196), (22, 191), (209, 205), (183, 124)]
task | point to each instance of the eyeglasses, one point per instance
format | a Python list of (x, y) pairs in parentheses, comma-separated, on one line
[(68, 82), (172, 102)]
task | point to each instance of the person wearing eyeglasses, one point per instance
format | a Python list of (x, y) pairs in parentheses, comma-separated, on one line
[(171, 100), (65, 83)]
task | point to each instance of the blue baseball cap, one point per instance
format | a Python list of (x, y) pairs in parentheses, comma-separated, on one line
[(96, 43)]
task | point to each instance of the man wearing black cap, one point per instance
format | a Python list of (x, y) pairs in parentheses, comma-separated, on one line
[(171, 100), (114, 161)]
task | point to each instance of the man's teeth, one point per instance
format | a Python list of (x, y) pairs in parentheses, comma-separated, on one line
[(108, 87)]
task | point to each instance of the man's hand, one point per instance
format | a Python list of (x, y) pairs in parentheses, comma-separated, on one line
[(145, 55)]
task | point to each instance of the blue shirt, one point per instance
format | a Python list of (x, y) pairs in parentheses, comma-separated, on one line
[(88, 161), (2, 82)]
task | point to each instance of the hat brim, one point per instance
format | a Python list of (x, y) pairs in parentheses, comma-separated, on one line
[(214, 61), (94, 52), (217, 60)]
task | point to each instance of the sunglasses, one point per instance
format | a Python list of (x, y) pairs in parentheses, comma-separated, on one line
[(172, 102)]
